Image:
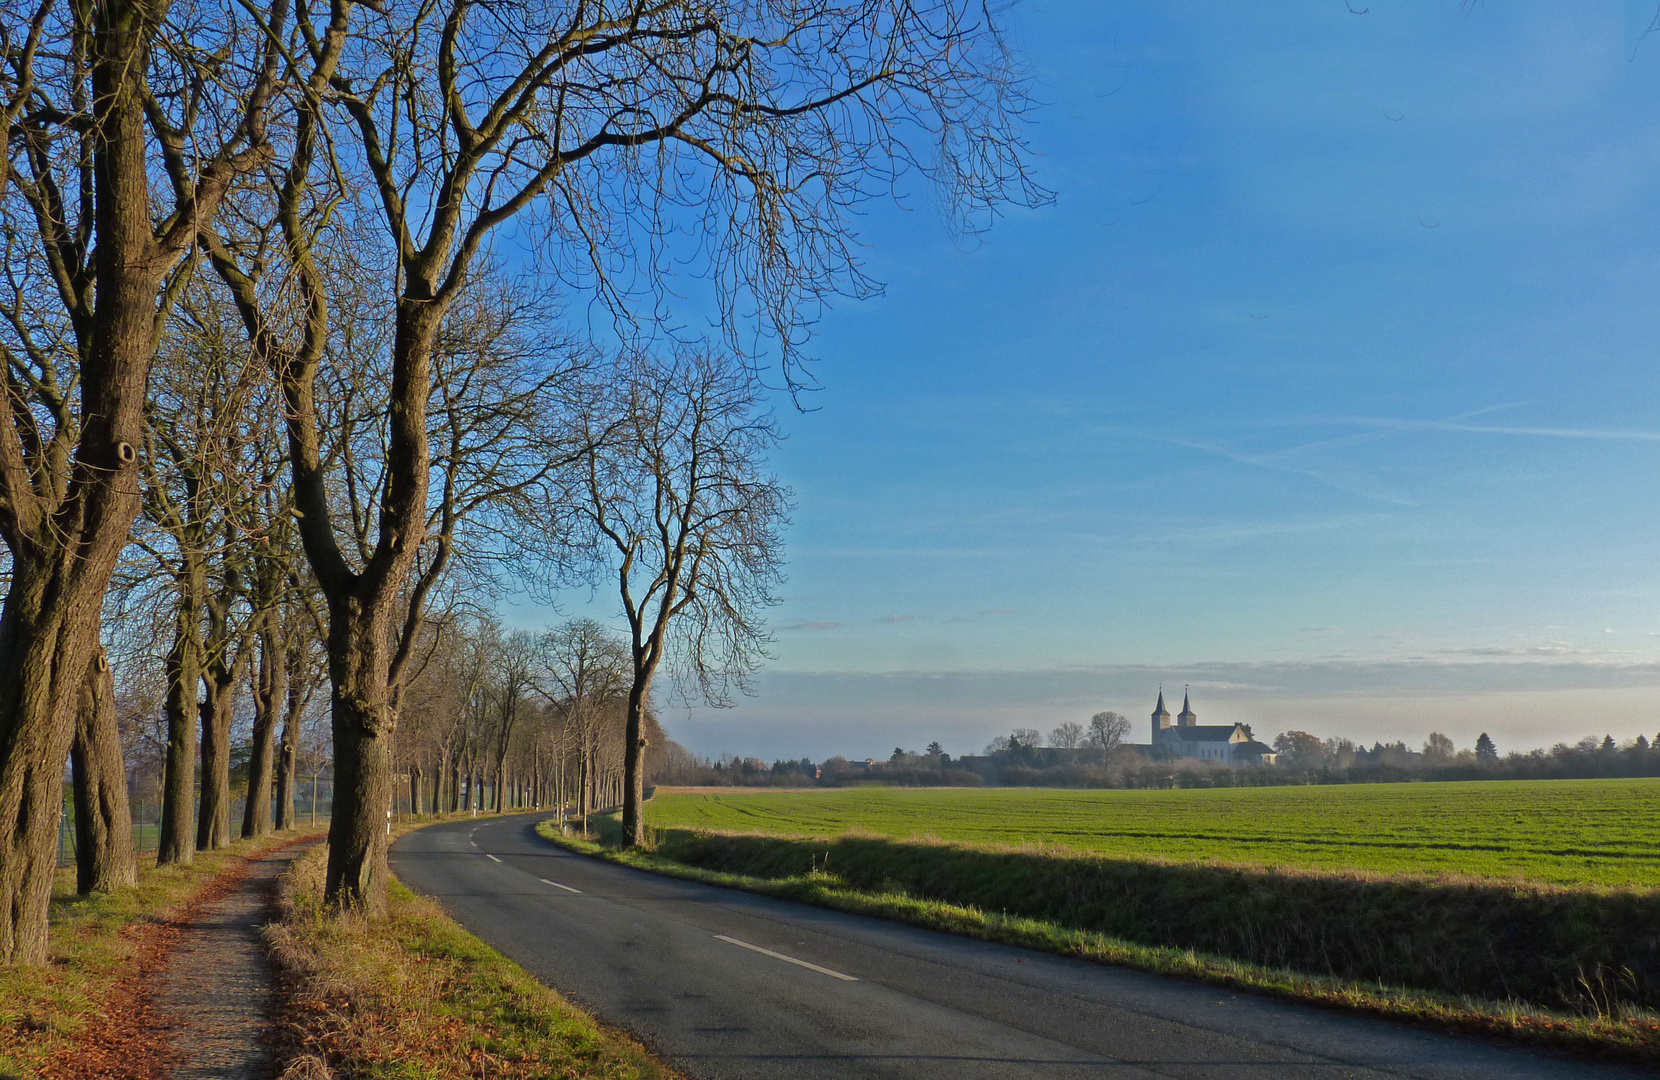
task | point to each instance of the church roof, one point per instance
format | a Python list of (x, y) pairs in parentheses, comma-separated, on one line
[(1202, 732), (1160, 710)]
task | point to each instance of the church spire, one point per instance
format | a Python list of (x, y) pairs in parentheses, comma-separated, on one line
[(1187, 717), (1161, 716)]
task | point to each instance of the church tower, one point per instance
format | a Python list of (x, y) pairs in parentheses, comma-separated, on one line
[(1161, 716), (1187, 717)]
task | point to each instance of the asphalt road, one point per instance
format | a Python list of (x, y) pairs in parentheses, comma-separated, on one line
[(730, 985)]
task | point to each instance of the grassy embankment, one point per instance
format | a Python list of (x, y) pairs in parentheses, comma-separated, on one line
[(416, 996), (1572, 964), (56, 1020)]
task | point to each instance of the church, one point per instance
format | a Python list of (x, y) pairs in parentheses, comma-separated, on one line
[(1185, 737)]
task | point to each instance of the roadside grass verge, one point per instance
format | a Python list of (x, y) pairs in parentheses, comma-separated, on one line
[(415, 996), (56, 1021), (1605, 1024)]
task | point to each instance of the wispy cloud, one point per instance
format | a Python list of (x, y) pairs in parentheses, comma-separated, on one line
[(811, 626), (1308, 459), (1541, 649), (908, 553), (1343, 477), (898, 618), (1594, 434)]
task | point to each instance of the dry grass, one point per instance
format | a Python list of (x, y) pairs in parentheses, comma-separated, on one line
[(416, 997), (56, 1021)]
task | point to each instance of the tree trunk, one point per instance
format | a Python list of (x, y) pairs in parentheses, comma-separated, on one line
[(35, 734), (213, 820), (634, 777), (273, 676), (363, 720), (584, 789), (63, 555), (440, 780), (222, 672), (178, 802), (288, 754), (104, 856)]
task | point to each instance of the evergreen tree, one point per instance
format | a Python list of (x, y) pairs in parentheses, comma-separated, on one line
[(1485, 750)]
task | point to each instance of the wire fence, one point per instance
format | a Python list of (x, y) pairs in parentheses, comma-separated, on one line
[(313, 804)]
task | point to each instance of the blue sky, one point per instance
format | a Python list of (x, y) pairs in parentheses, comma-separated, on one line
[(1327, 385)]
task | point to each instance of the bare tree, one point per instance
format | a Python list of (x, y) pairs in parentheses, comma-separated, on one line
[(515, 659), (302, 640), (586, 667), (203, 437), (96, 101), (276, 599), (677, 506), (1069, 735), (1107, 731), (761, 125)]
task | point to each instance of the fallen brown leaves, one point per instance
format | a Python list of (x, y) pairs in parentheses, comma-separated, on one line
[(131, 1038)]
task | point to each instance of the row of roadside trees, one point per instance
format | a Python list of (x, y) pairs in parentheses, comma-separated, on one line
[(252, 295)]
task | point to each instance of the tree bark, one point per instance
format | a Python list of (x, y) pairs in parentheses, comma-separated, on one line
[(634, 777), (213, 823), (213, 820), (63, 554), (104, 856), (268, 701), (363, 723), (178, 804), (299, 694)]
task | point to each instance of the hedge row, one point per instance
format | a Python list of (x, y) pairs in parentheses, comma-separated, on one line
[(1584, 949)]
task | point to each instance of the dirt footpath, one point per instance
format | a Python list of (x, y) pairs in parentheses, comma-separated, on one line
[(215, 986)]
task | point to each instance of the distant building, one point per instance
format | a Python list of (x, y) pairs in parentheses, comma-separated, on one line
[(1225, 744)]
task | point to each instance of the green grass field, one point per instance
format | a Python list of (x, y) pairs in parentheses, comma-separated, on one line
[(1568, 832)]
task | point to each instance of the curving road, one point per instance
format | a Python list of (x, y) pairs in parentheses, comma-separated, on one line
[(734, 986)]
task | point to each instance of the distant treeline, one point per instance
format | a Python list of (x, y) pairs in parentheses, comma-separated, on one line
[(1303, 759)]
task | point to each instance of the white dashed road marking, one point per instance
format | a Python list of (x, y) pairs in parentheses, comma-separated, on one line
[(786, 959), (556, 885), (491, 857)]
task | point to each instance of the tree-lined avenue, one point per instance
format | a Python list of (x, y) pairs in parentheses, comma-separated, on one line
[(731, 985)]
